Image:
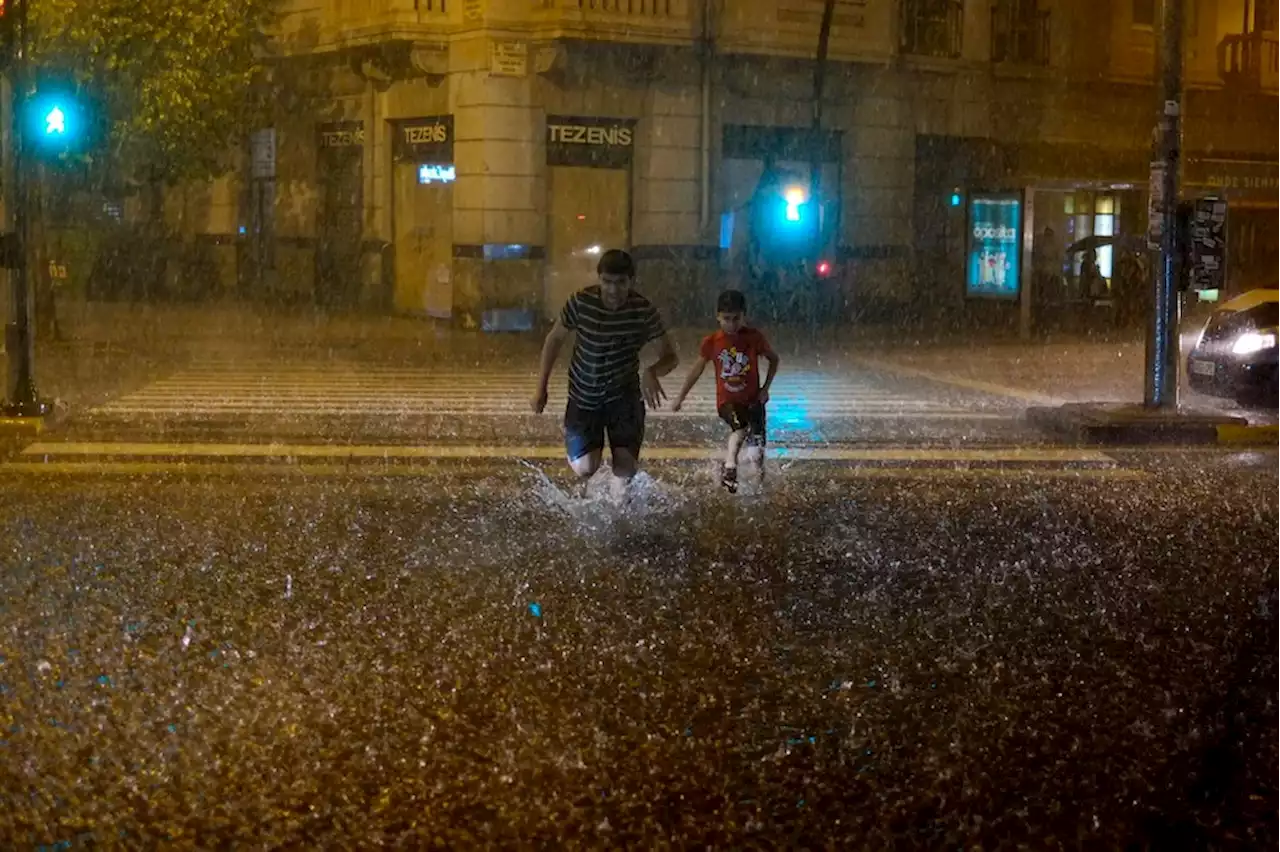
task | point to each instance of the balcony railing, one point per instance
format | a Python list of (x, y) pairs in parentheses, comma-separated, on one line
[(1017, 37), (639, 8), (1249, 59), (933, 28), (627, 21)]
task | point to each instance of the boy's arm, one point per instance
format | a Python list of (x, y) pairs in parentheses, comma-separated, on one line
[(772, 357), (550, 352), (667, 357), (695, 373)]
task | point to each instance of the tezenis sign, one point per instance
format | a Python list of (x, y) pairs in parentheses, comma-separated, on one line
[(590, 141)]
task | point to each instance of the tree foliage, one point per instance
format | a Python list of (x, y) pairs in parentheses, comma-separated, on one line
[(174, 80)]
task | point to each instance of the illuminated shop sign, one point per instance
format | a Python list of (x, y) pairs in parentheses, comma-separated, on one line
[(994, 255), (437, 173)]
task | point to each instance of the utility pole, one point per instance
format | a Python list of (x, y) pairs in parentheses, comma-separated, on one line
[(22, 399), (1163, 349), (816, 155)]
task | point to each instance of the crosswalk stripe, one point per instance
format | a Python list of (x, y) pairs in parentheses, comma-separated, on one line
[(342, 390)]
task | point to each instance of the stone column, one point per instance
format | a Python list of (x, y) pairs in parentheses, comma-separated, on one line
[(499, 230)]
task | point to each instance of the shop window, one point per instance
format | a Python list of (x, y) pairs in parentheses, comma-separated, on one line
[(1104, 225)]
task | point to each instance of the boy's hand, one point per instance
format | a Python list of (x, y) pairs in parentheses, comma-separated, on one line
[(763, 397), (676, 403), (539, 401), (652, 390)]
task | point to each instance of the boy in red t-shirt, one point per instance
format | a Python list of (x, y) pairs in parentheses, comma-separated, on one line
[(736, 350)]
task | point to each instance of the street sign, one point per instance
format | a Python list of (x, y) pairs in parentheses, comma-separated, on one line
[(1208, 239)]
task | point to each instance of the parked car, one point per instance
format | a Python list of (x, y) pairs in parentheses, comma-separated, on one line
[(1235, 355)]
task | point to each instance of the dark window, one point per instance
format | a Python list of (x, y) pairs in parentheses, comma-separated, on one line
[(1144, 13), (932, 27), (1266, 15)]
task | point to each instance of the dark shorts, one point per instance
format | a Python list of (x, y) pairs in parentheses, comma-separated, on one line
[(749, 417), (584, 428)]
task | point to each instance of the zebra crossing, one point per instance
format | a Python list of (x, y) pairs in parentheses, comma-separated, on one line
[(241, 389)]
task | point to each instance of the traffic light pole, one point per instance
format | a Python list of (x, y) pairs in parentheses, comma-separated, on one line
[(1162, 333), (22, 399), (816, 153)]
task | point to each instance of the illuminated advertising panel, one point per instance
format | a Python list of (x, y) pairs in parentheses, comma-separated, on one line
[(993, 260)]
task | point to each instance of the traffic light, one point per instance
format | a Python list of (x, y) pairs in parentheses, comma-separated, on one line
[(55, 123)]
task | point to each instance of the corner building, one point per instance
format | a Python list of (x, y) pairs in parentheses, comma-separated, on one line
[(469, 159)]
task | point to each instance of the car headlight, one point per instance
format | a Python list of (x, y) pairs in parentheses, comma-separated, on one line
[(1252, 341)]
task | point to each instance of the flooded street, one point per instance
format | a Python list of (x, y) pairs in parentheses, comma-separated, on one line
[(388, 387), (480, 656)]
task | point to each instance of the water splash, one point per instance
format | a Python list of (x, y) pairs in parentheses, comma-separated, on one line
[(605, 501)]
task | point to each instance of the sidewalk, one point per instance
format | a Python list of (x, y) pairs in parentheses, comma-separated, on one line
[(231, 329)]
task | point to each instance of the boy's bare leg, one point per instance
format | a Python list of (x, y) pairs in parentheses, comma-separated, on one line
[(736, 440), (729, 479), (624, 464), (585, 466)]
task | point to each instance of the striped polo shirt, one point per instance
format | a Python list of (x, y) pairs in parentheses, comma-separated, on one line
[(606, 355)]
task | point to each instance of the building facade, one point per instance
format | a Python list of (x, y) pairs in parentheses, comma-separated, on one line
[(468, 159)]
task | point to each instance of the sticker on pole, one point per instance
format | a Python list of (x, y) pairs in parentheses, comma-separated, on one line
[(1208, 244), (1155, 206)]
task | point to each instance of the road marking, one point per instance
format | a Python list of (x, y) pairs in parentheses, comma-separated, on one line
[(307, 390), (403, 470), (960, 381), (1260, 435), (1024, 455), (852, 412), (22, 424)]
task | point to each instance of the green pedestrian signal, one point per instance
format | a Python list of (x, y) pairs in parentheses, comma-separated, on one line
[(56, 123)]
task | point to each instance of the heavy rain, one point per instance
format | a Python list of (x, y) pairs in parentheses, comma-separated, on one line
[(634, 424)]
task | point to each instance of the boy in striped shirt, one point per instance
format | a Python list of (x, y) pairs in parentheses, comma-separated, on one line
[(607, 389)]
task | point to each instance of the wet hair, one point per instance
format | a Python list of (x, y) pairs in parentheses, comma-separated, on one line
[(731, 302), (616, 262)]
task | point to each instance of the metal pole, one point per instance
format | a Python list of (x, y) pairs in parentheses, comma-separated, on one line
[(1162, 333), (816, 153), (22, 398)]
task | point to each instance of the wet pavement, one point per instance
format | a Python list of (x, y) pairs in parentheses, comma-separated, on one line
[(814, 401), (944, 654), (326, 597), (394, 381)]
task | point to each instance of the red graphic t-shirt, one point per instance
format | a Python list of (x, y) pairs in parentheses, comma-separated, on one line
[(736, 358)]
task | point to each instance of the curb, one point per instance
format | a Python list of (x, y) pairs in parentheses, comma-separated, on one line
[(1248, 435), (1091, 425), (21, 427)]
